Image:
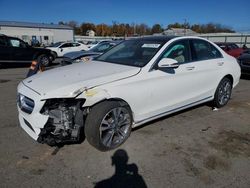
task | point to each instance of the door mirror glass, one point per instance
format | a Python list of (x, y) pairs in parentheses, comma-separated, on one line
[(168, 63)]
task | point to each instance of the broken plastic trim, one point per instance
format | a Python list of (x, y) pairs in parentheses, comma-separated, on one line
[(65, 123)]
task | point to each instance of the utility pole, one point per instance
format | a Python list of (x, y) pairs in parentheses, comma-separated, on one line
[(185, 27), (102, 29)]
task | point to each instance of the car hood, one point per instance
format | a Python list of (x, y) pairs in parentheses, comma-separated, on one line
[(77, 54), (51, 48), (65, 81)]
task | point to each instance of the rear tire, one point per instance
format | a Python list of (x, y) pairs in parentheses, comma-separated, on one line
[(108, 125), (223, 93)]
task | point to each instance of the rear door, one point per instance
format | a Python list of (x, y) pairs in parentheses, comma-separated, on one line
[(207, 62)]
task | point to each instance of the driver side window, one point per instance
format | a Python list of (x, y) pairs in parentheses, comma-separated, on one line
[(66, 45), (178, 51)]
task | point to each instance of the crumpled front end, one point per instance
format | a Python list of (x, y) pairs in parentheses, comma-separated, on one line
[(51, 121)]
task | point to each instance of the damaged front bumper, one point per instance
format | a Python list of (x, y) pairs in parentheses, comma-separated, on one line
[(53, 121)]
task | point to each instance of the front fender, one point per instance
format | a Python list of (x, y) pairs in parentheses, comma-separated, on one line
[(93, 96)]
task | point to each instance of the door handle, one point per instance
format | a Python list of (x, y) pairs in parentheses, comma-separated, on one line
[(220, 63), (190, 68)]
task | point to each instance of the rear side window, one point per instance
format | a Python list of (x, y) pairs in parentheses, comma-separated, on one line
[(203, 50), (3, 41)]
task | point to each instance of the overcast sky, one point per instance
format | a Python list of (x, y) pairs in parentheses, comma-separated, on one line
[(235, 14)]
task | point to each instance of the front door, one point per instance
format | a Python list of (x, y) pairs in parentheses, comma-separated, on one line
[(20, 51), (4, 50)]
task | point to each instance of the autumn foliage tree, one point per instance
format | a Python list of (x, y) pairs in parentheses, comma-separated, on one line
[(125, 29)]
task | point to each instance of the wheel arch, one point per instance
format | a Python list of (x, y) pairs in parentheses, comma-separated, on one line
[(116, 99), (230, 77)]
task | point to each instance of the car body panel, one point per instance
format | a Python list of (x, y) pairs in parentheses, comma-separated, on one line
[(64, 81), (150, 92)]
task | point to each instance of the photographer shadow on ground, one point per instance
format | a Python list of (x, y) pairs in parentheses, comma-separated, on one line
[(126, 175)]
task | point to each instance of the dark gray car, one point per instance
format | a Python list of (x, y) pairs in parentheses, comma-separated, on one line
[(244, 62), (78, 56)]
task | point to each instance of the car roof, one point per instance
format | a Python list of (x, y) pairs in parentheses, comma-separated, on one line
[(155, 38), (10, 37)]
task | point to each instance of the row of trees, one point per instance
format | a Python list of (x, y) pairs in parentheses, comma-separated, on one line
[(124, 29)]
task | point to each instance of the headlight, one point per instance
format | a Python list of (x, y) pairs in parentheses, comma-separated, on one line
[(25, 104), (83, 59)]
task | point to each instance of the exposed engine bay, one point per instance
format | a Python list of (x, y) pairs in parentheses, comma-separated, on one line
[(65, 123)]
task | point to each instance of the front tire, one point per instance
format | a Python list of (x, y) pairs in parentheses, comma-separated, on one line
[(223, 93), (44, 60), (108, 125)]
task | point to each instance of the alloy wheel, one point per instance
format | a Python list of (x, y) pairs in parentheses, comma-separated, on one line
[(224, 92), (114, 128)]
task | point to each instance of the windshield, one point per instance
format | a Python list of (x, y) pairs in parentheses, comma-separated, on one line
[(102, 47), (56, 44), (132, 52)]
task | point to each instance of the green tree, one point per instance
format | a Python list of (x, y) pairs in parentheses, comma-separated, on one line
[(156, 29)]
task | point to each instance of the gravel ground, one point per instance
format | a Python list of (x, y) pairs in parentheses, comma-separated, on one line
[(198, 147)]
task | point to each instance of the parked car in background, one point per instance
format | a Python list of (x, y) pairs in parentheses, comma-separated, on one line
[(14, 50), (92, 44), (84, 56), (244, 61), (61, 48), (135, 82), (231, 48)]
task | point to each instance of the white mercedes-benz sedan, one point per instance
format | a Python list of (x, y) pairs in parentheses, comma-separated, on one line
[(135, 82)]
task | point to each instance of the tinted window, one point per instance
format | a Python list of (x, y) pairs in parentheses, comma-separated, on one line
[(102, 47), (203, 50), (17, 43), (57, 44), (66, 45), (76, 44), (2, 41), (178, 51), (215, 52), (233, 46)]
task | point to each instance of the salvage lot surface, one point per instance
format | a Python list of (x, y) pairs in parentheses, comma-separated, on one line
[(195, 148)]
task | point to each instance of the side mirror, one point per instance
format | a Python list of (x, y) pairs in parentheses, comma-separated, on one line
[(168, 63), (61, 49)]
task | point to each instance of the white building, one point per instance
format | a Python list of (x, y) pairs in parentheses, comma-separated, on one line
[(90, 33), (43, 33)]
